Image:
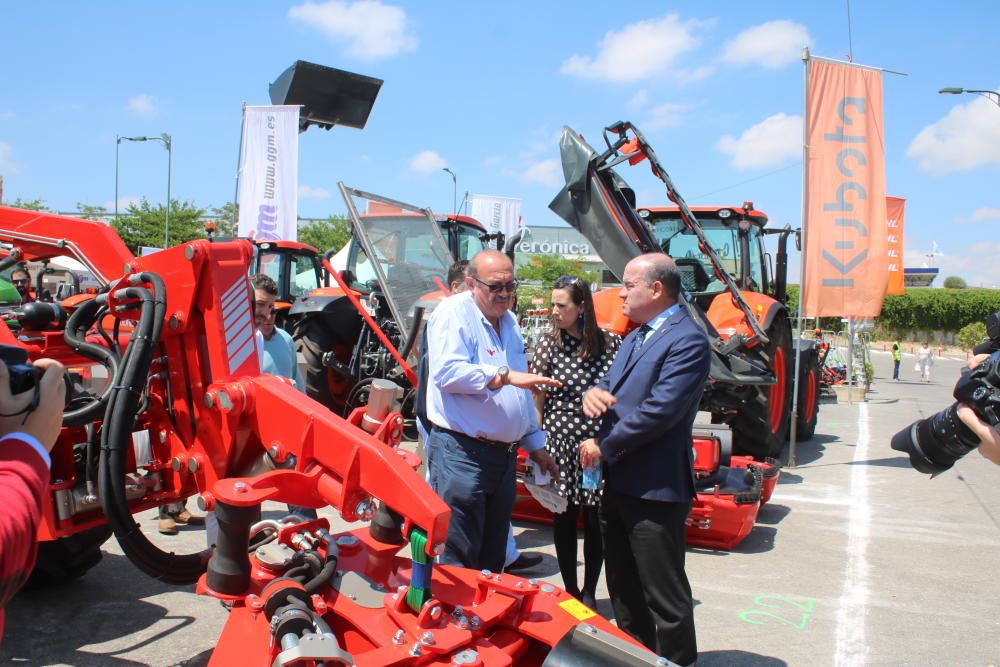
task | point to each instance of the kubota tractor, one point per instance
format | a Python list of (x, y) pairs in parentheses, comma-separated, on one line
[(729, 286), (174, 332)]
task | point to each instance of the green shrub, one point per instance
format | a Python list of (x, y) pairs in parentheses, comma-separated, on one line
[(954, 282), (971, 335)]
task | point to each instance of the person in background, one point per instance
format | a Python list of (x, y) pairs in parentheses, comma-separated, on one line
[(26, 437), (21, 280), (925, 359), (277, 349), (577, 353), (897, 358), (480, 411), (648, 402)]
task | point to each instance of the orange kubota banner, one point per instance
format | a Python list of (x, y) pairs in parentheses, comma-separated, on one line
[(845, 269), (894, 212)]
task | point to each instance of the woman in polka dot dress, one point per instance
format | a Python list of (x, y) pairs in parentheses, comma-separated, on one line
[(578, 354)]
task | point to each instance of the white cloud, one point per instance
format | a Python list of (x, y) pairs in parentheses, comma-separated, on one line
[(772, 45), (638, 51), (367, 29), (7, 164), (143, 105), (770, 142), (309, 192), (984, 214), (639, 100), (968, 137), (7, 115), (665, 115), (427, 161), (123, 204), (546, 172)]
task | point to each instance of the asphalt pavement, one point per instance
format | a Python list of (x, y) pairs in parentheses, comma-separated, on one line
[(857, 560)]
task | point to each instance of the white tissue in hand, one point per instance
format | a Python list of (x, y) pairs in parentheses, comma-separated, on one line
[(542, 477), (547, 497)]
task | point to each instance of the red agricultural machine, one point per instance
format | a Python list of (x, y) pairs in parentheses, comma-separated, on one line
[(174, 333), (732, 292)]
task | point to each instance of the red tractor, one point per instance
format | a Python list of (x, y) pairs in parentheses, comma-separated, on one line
[(730, 288), (174, 331)]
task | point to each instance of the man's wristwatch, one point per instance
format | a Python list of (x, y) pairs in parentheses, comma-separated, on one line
[(504, 374)]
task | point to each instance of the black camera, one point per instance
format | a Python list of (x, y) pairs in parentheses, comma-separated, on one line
[(24, 375), (935, 443)]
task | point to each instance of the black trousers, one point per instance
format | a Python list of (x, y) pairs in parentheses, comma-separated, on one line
[(644, 550)]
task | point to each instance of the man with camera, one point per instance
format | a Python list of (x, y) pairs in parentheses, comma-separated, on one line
[(989, 437), (29, 426)]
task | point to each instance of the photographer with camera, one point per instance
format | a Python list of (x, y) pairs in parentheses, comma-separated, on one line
[(30, 422), (989, 437), (934, 444)]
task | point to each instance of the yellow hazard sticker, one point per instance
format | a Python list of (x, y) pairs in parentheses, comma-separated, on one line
[(577, 609)]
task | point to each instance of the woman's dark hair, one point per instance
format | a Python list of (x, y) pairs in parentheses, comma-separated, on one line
[(592, 339)]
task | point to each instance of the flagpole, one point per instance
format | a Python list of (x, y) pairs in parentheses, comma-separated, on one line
[(802, 256), (239, 163)]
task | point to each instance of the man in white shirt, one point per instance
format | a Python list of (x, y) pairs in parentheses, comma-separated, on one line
[(480, 407)]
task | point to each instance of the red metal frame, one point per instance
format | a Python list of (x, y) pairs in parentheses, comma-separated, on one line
[(213, 420)]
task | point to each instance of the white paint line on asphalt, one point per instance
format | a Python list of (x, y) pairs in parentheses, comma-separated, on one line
[(850, 641)]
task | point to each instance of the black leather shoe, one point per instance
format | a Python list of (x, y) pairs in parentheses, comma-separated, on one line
[(525, 561)]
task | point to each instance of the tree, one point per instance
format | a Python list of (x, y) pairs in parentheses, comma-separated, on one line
[(28, 204), (954, 282), (225, 222), (89, 212), (330, 234), (972, 335), (143, 224), (548, 268)]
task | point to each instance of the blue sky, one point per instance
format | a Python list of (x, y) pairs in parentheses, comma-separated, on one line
[(485, 88)]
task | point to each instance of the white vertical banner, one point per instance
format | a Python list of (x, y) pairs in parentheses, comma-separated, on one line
[(269, 173), (497, 214)]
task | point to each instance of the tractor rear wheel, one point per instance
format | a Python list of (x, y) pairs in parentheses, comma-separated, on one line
[(762, 425), (314, 341), (808, 406), (68, 558)]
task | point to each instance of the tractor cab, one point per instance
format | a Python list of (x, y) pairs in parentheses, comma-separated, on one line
[(294, 266), (737, 235)]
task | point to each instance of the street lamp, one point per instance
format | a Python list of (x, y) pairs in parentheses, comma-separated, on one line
[(454, 189), (167, 142), (991, 95)]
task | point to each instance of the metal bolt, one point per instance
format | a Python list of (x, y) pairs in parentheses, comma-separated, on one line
[(485, 573), (274, 451), (176, 464), (416, 649), (192, 464), (427, 638), (346, 541), (209, 400), (240, 487), (548, 588), (463, 623), (589, 629), (435, 612), (399, 637), (459, 612), (401, 589), (533, 581), (662, 661), (466, 657), (520, 584), (474, 622)]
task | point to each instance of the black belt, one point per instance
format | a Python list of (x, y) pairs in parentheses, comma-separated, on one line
[(508, 446)]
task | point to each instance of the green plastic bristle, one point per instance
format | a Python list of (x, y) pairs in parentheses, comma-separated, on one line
[(417, 594)]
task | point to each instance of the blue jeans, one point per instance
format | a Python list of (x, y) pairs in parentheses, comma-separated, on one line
[(476, 480)]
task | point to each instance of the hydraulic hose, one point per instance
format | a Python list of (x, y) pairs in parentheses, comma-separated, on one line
[(74, 334), (116, 439)]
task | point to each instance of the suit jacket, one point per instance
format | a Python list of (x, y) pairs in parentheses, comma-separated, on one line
[(645, 438)]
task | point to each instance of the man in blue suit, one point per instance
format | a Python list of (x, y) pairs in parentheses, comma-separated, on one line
[(648, 401)]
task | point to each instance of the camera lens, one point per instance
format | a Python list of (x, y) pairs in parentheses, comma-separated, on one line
[(935, 443)]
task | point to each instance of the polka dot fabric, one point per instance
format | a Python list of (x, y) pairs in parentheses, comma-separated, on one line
[(562, 417)]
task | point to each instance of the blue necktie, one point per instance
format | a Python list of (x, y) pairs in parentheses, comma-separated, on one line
[(639, 339)]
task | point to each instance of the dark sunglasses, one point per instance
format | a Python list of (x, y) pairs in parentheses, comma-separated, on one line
[(566, 281), (20, 281), (496, 288)]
